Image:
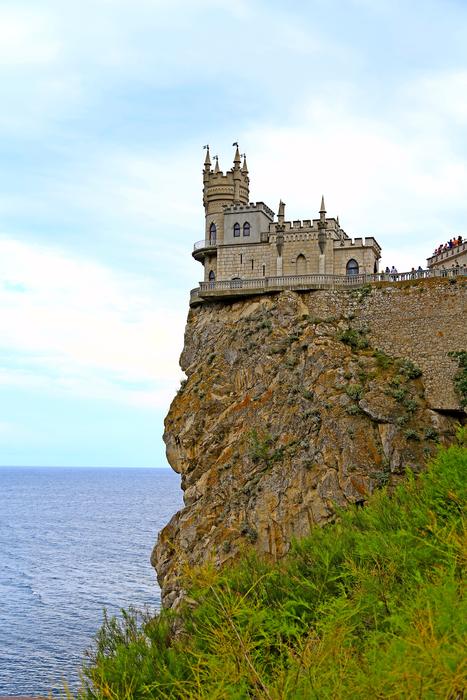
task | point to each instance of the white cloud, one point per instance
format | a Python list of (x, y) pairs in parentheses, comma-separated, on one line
[(27, 37), (383, 176), (77, 327)]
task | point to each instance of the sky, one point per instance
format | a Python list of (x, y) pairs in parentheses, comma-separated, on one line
[(104, 109)]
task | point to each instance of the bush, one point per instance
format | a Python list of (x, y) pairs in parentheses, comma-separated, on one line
[(368, 607), (354, 338), (460, 380), (355, 391), (409, 370)]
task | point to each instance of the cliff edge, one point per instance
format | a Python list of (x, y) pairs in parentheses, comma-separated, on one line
[(296, 403)]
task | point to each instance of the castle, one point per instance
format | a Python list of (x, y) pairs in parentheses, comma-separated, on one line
[(243, 242)]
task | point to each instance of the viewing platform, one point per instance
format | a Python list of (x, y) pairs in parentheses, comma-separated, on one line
[(449, 256), (231, 289)]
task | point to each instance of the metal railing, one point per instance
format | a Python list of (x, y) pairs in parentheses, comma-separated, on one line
[(204, 244), (317, 281)]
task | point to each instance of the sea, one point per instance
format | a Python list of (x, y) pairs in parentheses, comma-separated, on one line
[(73, 542)]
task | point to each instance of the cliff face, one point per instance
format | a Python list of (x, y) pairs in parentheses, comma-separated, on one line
[(286, 413)]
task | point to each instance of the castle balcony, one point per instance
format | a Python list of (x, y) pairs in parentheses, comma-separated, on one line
[(203, 248), (229, 289)]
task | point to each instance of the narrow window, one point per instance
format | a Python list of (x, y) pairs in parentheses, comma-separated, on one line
[(300, 265), (212, 233), (352, 267), (241, 258), (264, 270), (246, 229), (212, 276), (236, 230), (252, 264)]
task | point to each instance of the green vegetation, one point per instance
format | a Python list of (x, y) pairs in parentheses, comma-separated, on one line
[(460, 380), (408, 369), (368, 607), (360, 293), (354, 391), (356, 339), (261, 448)]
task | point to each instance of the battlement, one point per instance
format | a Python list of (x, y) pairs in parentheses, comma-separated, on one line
[(251, 207), (367, 242), (300, 225)]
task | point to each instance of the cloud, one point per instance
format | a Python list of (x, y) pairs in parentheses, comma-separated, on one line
[(382, 174), (75, 326), (27, 37)]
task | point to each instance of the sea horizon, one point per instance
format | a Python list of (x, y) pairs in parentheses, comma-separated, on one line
[(73, 542)]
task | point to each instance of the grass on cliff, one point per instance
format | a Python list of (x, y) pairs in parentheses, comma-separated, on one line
[(368, 607)]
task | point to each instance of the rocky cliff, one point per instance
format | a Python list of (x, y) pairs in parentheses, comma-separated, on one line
[(288, 411)]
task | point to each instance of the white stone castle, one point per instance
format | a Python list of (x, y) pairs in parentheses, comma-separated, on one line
[(246, 250)]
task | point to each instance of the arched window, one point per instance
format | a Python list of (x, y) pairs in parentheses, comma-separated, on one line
[(212, 276), (301, 265), (236, 230), (352, 267), (246, 229), (212, 233)]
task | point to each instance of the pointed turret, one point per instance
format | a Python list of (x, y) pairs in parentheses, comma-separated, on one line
[(216, 167), (323, 208), (244, 167), (237, 158), (207, 160)]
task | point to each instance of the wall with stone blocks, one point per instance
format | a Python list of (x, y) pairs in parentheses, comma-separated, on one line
[(421, 320)]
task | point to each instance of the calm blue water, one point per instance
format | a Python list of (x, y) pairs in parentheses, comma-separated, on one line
[(72, 541)]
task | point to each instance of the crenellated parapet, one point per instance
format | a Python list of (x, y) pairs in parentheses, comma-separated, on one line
[(250, 207)]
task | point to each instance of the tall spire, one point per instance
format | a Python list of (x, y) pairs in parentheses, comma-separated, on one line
[(323, 208), (207, 160), (216, 167), (244, 167), (237, 158)]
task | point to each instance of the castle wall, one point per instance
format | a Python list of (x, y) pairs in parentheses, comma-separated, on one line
[(257, 220), (236, 261), (365, 257)]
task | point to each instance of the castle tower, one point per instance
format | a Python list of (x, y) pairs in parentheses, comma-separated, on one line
[(222, 190)]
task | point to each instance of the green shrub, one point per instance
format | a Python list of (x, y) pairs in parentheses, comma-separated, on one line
[(460, 380), (409, 370), (371, 606), (355, 391), (356, 339), (383, 361)]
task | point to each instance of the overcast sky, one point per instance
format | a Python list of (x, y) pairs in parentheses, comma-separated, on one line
[(105, 107)]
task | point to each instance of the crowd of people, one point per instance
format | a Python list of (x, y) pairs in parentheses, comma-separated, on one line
[(447, 246), (393, 273)]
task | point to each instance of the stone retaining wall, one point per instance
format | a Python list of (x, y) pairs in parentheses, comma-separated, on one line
[(422, 320)]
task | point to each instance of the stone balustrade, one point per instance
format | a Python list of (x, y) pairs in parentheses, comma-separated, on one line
[(448, 254), (244, 287)]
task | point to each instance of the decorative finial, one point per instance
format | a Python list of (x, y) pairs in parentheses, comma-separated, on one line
[(237, 159), (323, 208), (216, 167), (244, 167), (207, 160)]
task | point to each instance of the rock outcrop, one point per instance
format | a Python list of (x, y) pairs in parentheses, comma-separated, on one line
[(283, 416)]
